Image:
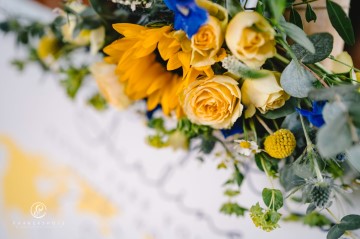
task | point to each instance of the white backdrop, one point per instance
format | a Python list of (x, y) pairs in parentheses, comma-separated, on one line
[(95, 174)]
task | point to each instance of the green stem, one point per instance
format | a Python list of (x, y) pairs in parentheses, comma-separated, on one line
[(301, 3), (266, 172), (334, 59), (266, 127), (281, 58), (307, 138)]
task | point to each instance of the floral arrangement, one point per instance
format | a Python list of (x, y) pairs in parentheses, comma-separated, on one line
[(239, 78)]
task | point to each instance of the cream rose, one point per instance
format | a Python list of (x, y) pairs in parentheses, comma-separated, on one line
[(206, 43), (264, 94), (251, 38), (213, 101), (109, 85)]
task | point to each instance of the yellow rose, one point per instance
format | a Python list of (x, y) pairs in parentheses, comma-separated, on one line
[(251, 38), (213, 101), (206, 43), (338, 67), (109, 85), (264, 94)]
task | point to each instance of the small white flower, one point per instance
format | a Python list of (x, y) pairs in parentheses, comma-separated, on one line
[(246, 148)]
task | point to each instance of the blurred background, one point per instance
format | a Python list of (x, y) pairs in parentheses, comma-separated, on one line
[(68, 171)]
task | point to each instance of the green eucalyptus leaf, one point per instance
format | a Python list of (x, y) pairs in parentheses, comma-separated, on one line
[(273, 198), (296, 80), (310, 15), (350, 222), (340, 22), (323, 43), (289, 179), (287, 109), (335, 232), (334, 137), (295, 18), (353, 156), (298, 35), (233, 7)]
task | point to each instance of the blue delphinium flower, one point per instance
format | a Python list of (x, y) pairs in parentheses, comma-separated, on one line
[(189, 17), (315, 116)]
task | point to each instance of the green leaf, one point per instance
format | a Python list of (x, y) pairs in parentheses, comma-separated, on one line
[(315, 219), (340, 22), (335, 232), (233, 7), (323, 43), (334, 137), (310, 15), (273, 198), (276, 8), (287, 109), (232, 208), (298, 35), (231, 193), (238, 176), (295, 18), (350, 222), (296, 80), (98, 102), (353, 156)]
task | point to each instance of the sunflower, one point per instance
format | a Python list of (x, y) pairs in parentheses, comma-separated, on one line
[(148, 60)]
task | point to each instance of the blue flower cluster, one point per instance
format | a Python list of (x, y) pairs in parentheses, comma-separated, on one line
[(189, 17)]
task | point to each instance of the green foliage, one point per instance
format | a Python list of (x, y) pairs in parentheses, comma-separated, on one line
[(276, 8), (340, 22), (315, 219), (273, 198), (287, 109), (296, 80), (230, 208), (298, 35), (233, 7), (347, 223), (310, 15), (354, 156), (231, 193), (267, 220), (74, 78), (341, 117), (98, 102), (323, 43), (295, 18), (192, 130), (264, 160)]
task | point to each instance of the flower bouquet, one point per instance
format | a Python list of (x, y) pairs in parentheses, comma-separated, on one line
[(235, 76)]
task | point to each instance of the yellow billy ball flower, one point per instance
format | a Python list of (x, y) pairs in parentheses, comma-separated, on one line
[(280, 144)]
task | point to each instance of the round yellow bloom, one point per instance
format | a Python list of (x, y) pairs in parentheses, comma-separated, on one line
[(281, 144), (251, 38), (263, 93), (206, 43), (109, 85), (48, 46), (213, 101)]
